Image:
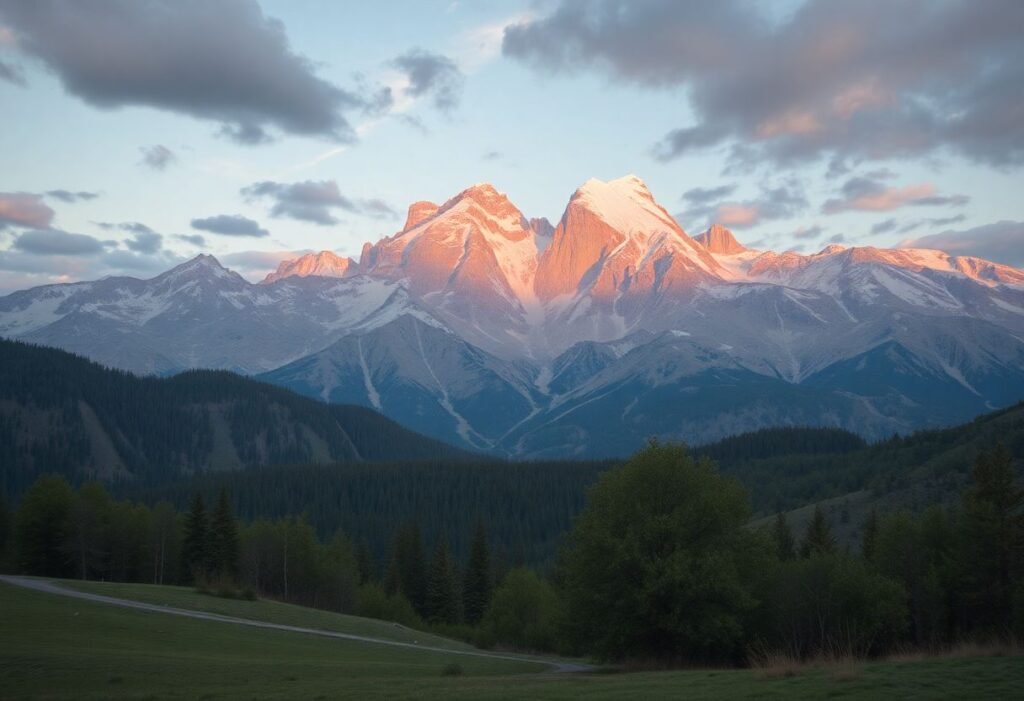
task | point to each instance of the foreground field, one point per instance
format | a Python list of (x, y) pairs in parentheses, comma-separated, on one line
[(53, 647)]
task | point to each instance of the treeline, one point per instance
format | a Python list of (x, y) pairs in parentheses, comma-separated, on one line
[(662, 565), (57, 531)]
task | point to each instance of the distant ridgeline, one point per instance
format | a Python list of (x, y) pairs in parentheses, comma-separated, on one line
[(350, 467), (62, 413)]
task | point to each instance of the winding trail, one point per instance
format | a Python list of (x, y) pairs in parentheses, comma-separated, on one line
[(42, 585)]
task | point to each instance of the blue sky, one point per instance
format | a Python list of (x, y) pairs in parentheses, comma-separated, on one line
[(873, 148)]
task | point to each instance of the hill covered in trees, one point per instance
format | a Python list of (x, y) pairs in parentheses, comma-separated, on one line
[(61, 413)]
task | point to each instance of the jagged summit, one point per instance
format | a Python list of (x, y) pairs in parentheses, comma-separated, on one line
[(323, 264), (718, 239), (418, 213)]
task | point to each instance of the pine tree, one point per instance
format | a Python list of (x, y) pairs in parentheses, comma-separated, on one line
[(785, 544), (869, 541), (409, 568), (819, 539), (364, 563), (223, 541), (196, 544), (993, 539), (442, 604), (478, 582)]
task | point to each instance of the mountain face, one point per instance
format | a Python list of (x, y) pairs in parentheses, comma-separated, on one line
[(497, 332), (62, 413)]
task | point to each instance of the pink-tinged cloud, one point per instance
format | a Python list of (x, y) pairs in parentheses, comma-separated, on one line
[(737, 215), (868, 194), (24, 209), (793, 123)]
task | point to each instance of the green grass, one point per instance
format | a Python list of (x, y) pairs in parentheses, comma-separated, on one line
[(269, 611), (54, 647)]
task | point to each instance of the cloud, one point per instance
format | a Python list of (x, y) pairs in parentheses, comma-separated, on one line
[(884, 227), (24, 209), (703, 195), (866, 80), (492, 156), (219, 61), (230, 225), (809, 232), (1000, 242), (932, 222), (145, 242), (869, 195), (196, 240), (157, 157), (53, 242), (314, 201), (12, 74), (71, 197), (431, 75), (779, 202)]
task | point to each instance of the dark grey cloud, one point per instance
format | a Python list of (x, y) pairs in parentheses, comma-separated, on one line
[(157, 157), (53, 242), (1002, 242), (432, 75), (145, 242), (713, 205), (868, 194), (12, 74), (71, 197), (848, 81), (884, 227), (704, 195), (193, 239), (230, 225), (837, 238), (810, 232), (221, 61), (314, 201), (933, 223), (24, 209)]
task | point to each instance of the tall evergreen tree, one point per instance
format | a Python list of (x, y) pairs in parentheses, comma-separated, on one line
[(818, 539), (223, 541), (407, 572), (479, 584), (782, 534), (88, 526), (993, 538), (5, 531), (442, 604), (364, 563), (195, 547)]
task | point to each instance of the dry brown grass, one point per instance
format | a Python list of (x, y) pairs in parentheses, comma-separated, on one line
[(970, 648)]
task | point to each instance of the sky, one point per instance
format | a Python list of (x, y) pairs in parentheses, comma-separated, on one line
[(135, 134)]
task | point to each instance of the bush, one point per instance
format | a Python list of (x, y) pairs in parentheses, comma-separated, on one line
[(523, 612), (373, 602)]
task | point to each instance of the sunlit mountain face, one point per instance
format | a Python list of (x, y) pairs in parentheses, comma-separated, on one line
[(494, 331)]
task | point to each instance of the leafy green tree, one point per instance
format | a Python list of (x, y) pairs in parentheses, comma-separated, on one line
[(195, 550), (223, 539), (782, 535), (478, 584), (819, 539), (660, 563), (993, 538), (832, 604), (41, 527), (443, 604), (524, 612)]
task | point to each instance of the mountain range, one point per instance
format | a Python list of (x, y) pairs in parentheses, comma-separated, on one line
[(496, 332)]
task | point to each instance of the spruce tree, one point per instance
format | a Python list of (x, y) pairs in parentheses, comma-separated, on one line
[(409, 567), (442, 604), (993, 539), (195, 546), (476, 591), (223, 550), (785, 544), (819, 539)]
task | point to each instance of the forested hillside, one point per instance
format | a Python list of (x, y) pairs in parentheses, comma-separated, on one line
[(62, 413)]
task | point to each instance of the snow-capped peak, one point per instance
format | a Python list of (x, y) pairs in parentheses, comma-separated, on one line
[(322, 264), (418, 213)]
